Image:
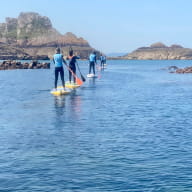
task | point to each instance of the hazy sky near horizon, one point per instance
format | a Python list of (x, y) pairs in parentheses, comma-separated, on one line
[(113, 25)]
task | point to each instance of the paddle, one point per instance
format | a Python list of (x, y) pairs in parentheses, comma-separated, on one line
[(82, 77), (79, 82)]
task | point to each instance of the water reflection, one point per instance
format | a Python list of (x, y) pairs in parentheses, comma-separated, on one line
[(75, 105), (59, 101), (68, 106), (92, 81)]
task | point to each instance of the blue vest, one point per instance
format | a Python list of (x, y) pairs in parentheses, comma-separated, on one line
[(92, 57), (58, 58)]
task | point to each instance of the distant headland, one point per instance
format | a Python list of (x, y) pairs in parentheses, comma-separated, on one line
[(159, 51)]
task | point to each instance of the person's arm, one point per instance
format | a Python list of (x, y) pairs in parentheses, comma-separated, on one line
[(77, 57), (64, 60)]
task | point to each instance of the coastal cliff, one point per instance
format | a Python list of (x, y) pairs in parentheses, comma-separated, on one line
[(32, 35), (159, 51)]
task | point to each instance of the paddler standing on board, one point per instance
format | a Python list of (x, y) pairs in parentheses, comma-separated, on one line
[(72, 65), (102, 60), (92, 62), (58, 60)]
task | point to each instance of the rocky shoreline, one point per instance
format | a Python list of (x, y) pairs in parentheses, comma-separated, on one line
[(8, 65), (175, 69)]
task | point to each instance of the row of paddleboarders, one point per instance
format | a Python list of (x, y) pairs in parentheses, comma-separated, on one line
[(58, 61)]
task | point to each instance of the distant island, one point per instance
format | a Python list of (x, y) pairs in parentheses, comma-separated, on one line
[(32, 36), (159, 51)]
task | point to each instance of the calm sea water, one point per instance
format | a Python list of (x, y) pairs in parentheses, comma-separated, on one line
[(128, 130)]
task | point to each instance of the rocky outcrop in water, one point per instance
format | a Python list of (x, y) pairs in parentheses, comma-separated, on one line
[(34, 36), (6, 65), (159, 51), (175, 69)]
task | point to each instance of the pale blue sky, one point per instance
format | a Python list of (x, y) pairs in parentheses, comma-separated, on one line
[(113, 25)]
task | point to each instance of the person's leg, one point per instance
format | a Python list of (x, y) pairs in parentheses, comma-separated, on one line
[(70, 76), (89, 67), (93, 68), (62, 77), (74, 78), (56, 77)]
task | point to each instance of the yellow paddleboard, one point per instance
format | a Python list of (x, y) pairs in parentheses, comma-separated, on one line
[(60, 91), (70, 85)]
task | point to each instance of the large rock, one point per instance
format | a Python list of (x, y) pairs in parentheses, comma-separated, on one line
[(35, 35)]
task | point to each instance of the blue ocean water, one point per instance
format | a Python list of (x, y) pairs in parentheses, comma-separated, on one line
[(128, 130)]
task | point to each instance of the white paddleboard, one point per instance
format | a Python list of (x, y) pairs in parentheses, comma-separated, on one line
[(91, 75)]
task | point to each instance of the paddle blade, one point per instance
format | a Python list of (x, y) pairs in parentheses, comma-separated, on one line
[(78, 81), (83, 78)]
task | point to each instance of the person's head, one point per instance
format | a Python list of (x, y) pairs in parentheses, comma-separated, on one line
[(58, 50), (71, 52)]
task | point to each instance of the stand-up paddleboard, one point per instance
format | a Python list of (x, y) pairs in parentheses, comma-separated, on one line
[(60, 91), (71, 85), (91, 75)]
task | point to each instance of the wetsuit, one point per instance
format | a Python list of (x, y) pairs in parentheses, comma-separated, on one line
[(58, 61), (92, 61), (72, 66)]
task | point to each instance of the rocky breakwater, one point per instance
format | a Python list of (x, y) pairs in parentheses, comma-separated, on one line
[(6, 65), (175, 69)]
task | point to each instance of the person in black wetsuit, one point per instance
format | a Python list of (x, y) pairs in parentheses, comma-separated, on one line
[(58, 60), (72, 65)]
